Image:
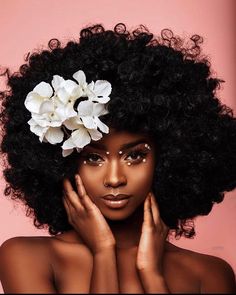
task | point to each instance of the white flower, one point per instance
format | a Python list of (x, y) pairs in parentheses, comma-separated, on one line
[(52, 135), (80, 138), (42, 106), (41, 93), (85, 125), (89, 112), (98, 91), (53, 113), (66, 90)]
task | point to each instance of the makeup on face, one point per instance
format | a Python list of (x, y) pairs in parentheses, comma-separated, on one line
[(117, 172), (134, 153)]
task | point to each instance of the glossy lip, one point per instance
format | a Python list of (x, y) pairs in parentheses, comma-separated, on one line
[(116, 202), (116, 197)]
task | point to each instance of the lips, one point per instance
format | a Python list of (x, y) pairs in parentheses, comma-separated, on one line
[(116, 197), (116, 201)]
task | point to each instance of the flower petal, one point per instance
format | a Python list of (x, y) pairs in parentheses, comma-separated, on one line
[(36, 129), (66, 153), (71, 87), (57, 81), (40, 120), (65, 112), (63, 95), (80, 77), (99, 109), (54, 135), (88, 91), (68, 144), (89, 122), (46, 107), (85, 108), (72, 123), (81, 137), (95, 134), (33, 102), (43, 89), (103, 127), (102, 89)]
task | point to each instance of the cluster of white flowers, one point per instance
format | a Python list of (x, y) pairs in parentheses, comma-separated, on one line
[(54, 114)]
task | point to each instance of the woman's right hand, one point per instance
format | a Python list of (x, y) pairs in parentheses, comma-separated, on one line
[(86, 218)]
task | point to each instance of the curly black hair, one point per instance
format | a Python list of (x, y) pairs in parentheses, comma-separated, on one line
[(161, 85)]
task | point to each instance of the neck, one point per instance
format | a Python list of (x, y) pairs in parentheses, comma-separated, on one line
[(127, 232)]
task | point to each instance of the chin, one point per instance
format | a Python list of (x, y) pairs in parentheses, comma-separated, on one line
[(118, 214)]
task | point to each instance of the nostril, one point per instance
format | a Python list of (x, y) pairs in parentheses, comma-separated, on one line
[(115, 182)]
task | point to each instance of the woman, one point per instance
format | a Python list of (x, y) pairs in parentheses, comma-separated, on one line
[(113, 142)]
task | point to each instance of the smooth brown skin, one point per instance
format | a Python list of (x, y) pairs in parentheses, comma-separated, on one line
[(111, 250)]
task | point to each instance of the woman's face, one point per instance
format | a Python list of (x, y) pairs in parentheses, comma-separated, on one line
[(117, 172)]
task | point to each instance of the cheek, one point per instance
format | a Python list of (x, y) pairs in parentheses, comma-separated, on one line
[(141, 178), (91, 178)]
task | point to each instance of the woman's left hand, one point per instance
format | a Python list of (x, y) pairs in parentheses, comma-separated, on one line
[(152, 241)]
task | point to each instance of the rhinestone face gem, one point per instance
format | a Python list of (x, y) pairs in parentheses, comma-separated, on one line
[(147, 146)]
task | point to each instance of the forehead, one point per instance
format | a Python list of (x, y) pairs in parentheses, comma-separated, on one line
[(115, 139)]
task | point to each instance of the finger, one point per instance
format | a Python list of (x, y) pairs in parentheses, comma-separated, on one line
[(156, 215), (65, 204), (84, 198), (70, 209), (155, 210), (67, 208), (71, 196), (148, 217)]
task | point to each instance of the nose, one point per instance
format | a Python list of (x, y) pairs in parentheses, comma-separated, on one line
[(114, 176)]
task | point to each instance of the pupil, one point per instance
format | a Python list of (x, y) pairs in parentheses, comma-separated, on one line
[(94, 157)]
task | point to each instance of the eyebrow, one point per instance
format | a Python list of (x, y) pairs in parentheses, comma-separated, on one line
[(125, 146)]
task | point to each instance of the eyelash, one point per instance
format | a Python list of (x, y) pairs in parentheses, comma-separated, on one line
[(139, 153), (90, 155)]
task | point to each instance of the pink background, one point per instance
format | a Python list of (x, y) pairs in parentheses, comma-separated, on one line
[(26, 25)]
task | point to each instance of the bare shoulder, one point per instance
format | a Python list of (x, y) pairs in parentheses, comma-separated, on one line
[(215, 274), (37, 264), (25, 265), (23, 249)]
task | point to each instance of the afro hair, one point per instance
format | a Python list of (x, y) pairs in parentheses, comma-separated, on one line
[(161, 85)]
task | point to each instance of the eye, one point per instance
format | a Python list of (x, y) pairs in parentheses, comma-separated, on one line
[(136, 156), (93, 158)]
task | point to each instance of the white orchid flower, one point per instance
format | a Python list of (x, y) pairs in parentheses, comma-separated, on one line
[(41, 93), (52, 135), (80, 77), (89, 112), (85, 126), (53, 113), (41, 105), (98, 91), (67, 91), (80, 138)]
